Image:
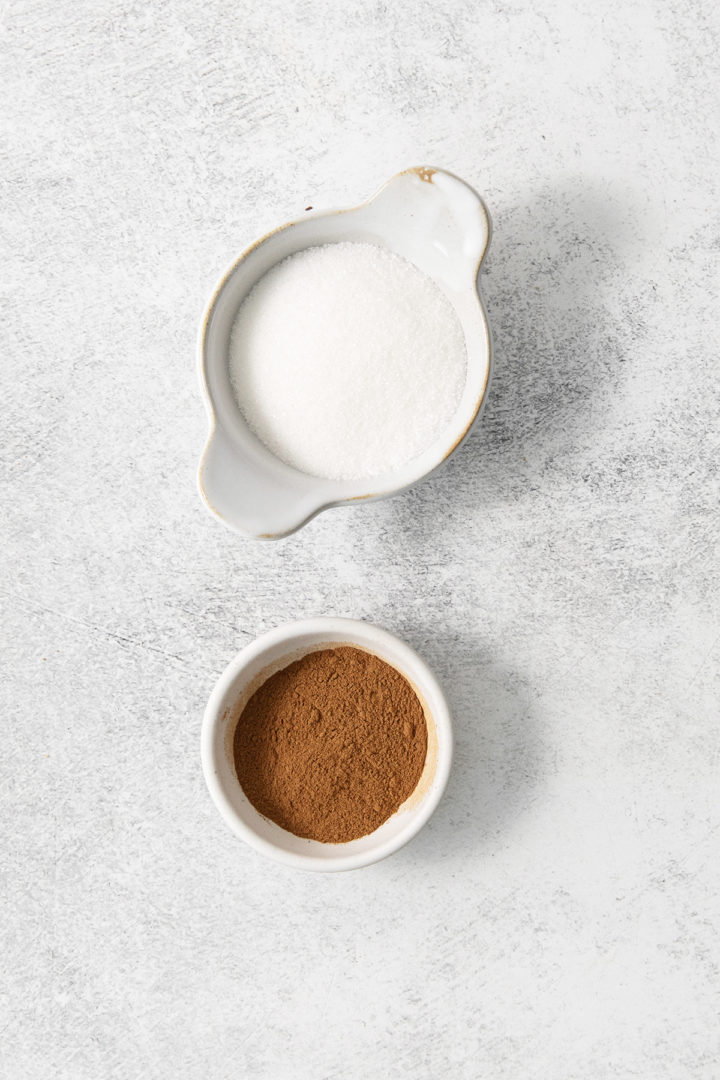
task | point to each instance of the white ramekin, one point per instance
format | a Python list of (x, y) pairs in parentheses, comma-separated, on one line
[(249, 669)]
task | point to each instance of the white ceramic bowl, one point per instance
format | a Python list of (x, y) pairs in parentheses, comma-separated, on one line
[(425, 215), (268, 654)]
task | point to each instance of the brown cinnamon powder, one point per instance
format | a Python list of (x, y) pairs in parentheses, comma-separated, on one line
[(332, 745)]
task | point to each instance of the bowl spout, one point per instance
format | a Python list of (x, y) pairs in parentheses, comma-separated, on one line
[(264, 502), (437, 221)]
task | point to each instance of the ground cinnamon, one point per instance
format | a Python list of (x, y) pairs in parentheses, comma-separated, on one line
[(332, 745)]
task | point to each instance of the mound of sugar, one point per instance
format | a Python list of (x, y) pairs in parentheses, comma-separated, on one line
[(347, 361)]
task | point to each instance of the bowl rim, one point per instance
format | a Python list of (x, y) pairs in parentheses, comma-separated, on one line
[(338, 630)]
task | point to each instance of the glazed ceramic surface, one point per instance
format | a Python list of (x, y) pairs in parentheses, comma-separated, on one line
[(425, 215), (249, 669)]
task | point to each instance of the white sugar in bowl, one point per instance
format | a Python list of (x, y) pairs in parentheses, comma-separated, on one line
[(440, 226)]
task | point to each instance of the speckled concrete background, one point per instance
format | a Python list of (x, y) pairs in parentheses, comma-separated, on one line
[(559, 916)]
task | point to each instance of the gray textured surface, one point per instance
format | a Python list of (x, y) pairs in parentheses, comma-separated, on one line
[(558, 917)]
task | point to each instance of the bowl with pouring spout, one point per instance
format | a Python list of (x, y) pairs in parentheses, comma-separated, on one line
[(430, 218)]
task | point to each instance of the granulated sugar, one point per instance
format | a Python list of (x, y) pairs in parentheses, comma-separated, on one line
[(347, 361)]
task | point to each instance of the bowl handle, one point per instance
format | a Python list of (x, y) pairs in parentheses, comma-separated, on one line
[(261, 501), (429, 212)]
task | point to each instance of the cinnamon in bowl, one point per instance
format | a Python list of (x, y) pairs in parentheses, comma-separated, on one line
[(332, 745), (327, 744)]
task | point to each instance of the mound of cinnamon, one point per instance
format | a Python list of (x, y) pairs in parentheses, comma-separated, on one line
[(331, 746)]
